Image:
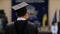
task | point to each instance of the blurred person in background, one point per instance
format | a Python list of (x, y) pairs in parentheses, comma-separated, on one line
[(1, 26), (54, 28), (3, 21), (32, 15), (21, 25)]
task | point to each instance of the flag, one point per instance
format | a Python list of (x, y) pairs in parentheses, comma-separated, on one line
[(54, 18)]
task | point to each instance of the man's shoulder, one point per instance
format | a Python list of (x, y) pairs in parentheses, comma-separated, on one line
[(29, 24), (20, 21), (32, 25)]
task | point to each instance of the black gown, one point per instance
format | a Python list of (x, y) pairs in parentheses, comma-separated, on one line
[(23, 27)]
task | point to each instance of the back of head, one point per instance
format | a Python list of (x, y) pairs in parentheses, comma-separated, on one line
[(21, 12)]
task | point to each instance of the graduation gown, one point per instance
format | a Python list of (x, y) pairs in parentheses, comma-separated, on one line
[(58, 27), (23, 27)]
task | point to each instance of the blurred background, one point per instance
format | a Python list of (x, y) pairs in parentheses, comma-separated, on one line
[(38, 10)]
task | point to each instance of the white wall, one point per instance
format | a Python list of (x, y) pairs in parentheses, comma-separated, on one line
[(6, 6)]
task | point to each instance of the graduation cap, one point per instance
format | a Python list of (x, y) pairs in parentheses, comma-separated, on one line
[(19, 6), (20, 9)]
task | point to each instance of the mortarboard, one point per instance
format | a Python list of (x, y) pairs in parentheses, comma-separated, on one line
[(19, 6)]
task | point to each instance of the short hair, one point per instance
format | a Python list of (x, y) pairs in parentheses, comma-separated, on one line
[(21, 12)]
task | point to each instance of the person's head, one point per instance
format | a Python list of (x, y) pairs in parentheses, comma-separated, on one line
[(22, 12)]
